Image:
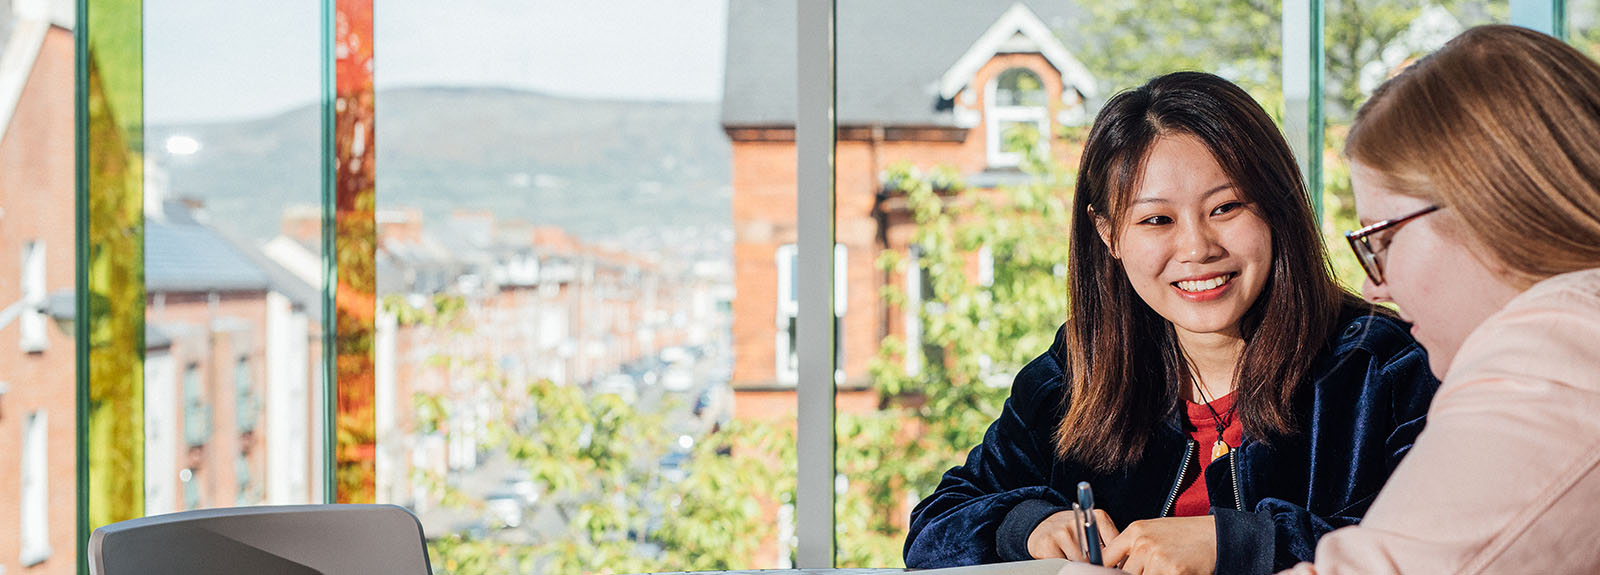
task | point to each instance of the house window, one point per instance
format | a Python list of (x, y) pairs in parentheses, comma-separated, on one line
[(788, 308), (32, 323), (35, 517), (916, 286), (1016, 104), (245, 396), (788, 360), (196, 413)]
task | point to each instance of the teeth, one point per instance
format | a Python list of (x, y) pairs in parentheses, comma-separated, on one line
[(1200, 286)]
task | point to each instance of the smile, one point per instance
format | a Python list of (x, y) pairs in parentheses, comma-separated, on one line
[(1205, 289)]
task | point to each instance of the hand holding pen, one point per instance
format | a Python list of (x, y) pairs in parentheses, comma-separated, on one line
[(1084, 517), (1060, 535)]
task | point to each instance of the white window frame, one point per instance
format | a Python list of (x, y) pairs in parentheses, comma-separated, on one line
[(32, 323), (995, 116), (786, 350), (913, 312), (788, 311), (34, 518)]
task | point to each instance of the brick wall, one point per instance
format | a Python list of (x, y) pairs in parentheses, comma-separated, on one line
[(36, 194)]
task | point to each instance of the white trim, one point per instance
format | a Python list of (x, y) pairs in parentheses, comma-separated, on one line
[(1017, 19), (32, 323), (16, 64), (34, 516), (994, 115), (31, 24), (788, 311), (913, 311)]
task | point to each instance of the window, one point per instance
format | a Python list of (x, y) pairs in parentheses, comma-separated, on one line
[(245, 396), (789, 307), (1016, 101), (916, 285), (35, 517), (32, 322), (196, 412)]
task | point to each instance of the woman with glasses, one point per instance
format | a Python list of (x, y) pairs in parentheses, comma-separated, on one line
[(1226, 400), (1480, 165)]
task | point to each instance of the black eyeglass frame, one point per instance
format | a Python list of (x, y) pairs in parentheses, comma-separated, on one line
[(1361, 242)]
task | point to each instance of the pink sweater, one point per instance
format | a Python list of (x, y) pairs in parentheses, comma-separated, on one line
[(1506, 476)]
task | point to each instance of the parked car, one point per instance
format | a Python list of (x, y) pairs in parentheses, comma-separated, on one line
[(676, 355), (673, 465), (505, 509), (522, 485), (677, 379), (619, 385)]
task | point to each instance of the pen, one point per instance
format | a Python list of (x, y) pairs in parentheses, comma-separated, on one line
[(1090, 533)]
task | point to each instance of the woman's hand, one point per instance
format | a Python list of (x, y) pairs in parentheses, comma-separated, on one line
[(1166, 546), (1057, 537)]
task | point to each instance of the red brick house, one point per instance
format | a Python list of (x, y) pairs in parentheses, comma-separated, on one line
[(914, 84), (37, 387)]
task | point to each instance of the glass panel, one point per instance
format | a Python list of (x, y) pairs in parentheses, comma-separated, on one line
[(583, 284), (957, 253), (354, 183), (1366, 42), (1583, 25), (38, 356), (109, 258), (232, 255)]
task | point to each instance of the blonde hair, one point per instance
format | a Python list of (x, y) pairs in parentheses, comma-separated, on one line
[(1502, 125)]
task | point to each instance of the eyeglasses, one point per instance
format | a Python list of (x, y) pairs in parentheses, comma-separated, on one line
[(1362, 241)]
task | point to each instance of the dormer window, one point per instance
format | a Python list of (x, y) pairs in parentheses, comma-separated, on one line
[(1016, 102)]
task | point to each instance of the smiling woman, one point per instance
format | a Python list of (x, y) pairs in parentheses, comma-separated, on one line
[(1202, 314)]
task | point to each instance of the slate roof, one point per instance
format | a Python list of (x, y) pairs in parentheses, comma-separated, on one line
[(890, 56), (182, 254)]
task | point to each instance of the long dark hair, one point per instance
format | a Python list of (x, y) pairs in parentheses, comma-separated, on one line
[(1122, 359)]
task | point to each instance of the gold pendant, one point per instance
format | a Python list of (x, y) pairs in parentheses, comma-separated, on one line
[(1219, 449)]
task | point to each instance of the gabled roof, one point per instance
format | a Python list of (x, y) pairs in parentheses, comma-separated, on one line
[(22, 31), (892, 56), (1018, 25), (184, 255)]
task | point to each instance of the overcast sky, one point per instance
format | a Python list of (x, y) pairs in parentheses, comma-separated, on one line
[(215, 61)]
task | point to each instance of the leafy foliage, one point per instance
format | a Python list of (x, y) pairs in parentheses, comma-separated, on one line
[(976, 335), (594, 461)]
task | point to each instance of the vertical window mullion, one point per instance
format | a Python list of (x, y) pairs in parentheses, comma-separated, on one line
[(1546, 16), (109, 336), (814, 147), (1302, 72)]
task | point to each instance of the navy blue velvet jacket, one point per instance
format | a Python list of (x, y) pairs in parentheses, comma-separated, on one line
[(1370, 392)]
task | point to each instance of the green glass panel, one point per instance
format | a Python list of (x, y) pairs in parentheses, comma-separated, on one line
[(110, 264)]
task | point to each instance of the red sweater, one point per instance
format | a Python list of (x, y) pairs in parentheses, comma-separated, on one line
[(1192, 500)]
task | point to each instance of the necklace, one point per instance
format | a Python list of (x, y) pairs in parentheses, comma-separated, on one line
[(1220, 448)]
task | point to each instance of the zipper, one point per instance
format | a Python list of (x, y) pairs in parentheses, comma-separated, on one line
[(1172, 496), (1233, 465)]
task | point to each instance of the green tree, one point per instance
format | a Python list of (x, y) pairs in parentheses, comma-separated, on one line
[(594, 460), (976, 335)]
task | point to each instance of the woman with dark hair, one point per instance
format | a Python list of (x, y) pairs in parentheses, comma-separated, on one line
[(1227, 400)]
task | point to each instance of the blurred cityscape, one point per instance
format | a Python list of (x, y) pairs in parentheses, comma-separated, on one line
[(637, 256)]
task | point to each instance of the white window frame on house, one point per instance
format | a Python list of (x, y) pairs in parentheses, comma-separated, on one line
[(32, 323), (34, 518), (788, 312), (786, 352), (913, 311), (995, 117)]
